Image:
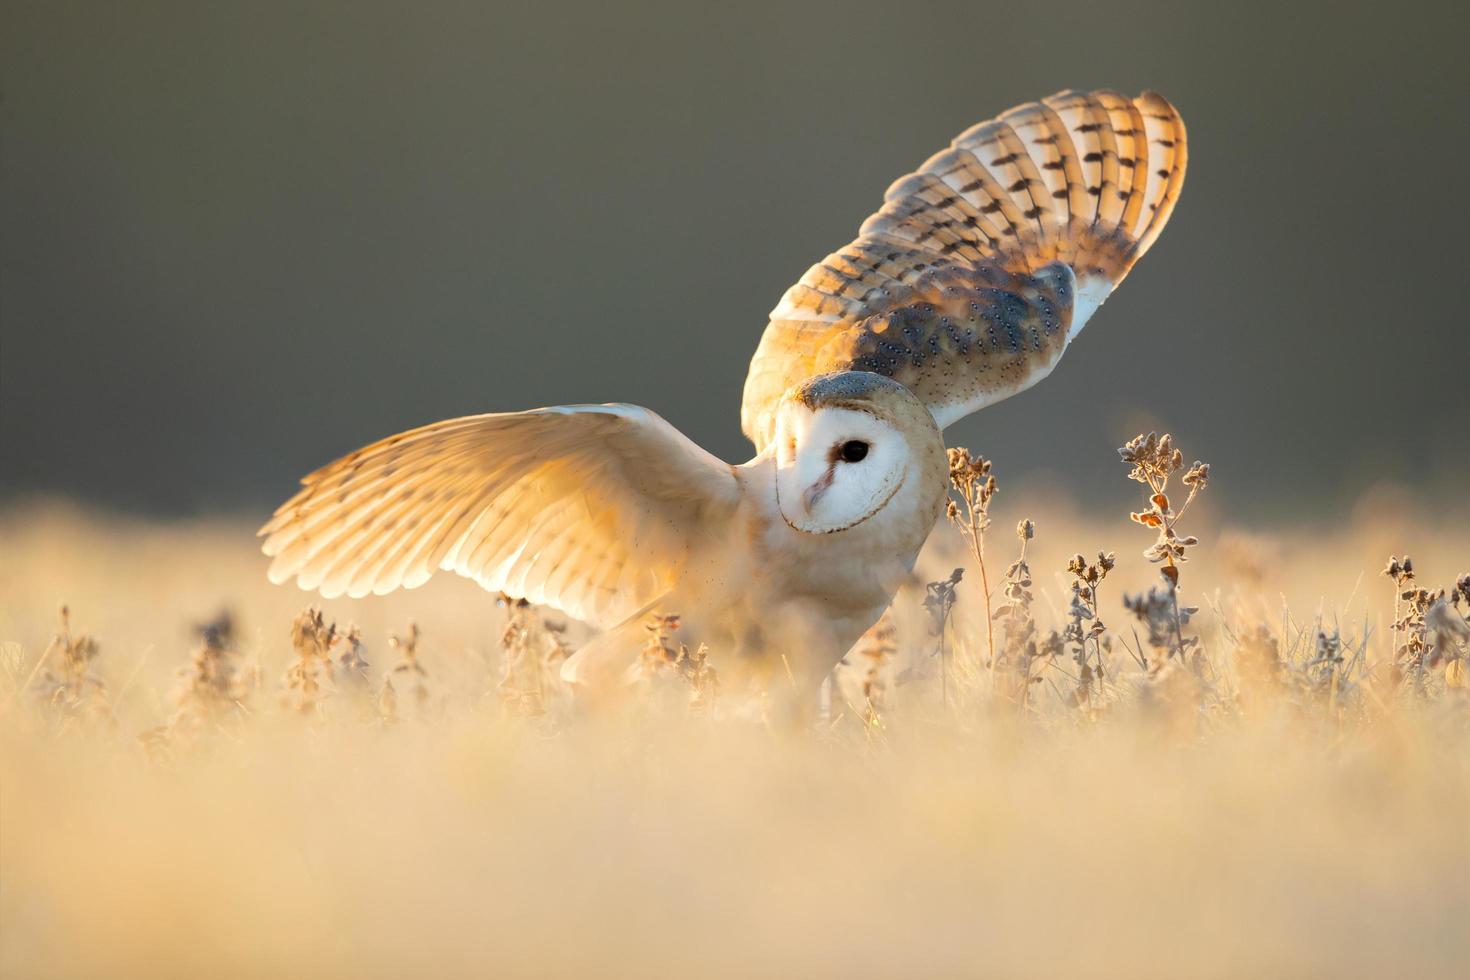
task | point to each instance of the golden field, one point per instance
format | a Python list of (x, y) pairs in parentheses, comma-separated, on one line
[(1248, 807)]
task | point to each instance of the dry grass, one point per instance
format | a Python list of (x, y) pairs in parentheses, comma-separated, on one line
[(1254, 765)]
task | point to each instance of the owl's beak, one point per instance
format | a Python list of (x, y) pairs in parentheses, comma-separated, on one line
[(813, 494)]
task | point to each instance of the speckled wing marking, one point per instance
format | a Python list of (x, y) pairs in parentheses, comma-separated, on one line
[(980, 267), (586, 508)]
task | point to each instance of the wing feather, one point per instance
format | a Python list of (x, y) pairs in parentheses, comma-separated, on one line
[(981, 266), (587, 508)]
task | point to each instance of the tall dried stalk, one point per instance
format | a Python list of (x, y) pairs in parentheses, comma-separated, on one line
[(1018, 646), (308, 680), (72, 692), (211, 686), (534, 650), (939, 600), (1085, 625), (971, 480), (408, 664), (1154, 460)]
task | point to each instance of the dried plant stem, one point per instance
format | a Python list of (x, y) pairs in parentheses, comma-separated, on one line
[(1154, 460), (939, 601), (977, 545), (943, 670), (19, 692), (1086, 628), (971, 480), (973, 531)]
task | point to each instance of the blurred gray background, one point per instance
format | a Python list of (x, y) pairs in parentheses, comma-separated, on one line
[(240, 239)]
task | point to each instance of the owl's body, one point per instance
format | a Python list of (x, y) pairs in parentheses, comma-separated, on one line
[(755, 588), (964, 288)]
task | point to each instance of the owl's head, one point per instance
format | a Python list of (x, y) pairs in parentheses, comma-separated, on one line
[(846, 445)]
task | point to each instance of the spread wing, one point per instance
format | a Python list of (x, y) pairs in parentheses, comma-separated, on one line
[(969, 282), (588, 508)]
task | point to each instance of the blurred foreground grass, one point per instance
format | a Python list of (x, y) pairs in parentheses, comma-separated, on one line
[(1237, 822)]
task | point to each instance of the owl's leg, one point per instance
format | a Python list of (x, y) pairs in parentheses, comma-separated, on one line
[(804, 645)]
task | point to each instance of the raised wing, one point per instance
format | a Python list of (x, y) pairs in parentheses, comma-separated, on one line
[(968, 283), (588, 508)]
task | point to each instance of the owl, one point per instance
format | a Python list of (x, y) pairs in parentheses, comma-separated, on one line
[(964, 288)]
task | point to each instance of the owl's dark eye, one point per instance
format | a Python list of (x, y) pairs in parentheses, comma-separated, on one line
[(853, 451)]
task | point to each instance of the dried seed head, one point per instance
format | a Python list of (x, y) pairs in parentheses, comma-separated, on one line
[(1401, 570), (939, 599), (964, 467)]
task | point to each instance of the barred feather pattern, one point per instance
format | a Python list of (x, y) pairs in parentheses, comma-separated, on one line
[(590, 509), (981, 266)]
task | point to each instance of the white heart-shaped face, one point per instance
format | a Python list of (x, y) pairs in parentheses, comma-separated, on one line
[(835, 467)]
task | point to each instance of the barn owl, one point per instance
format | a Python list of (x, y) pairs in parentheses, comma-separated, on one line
[(964, 288)]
